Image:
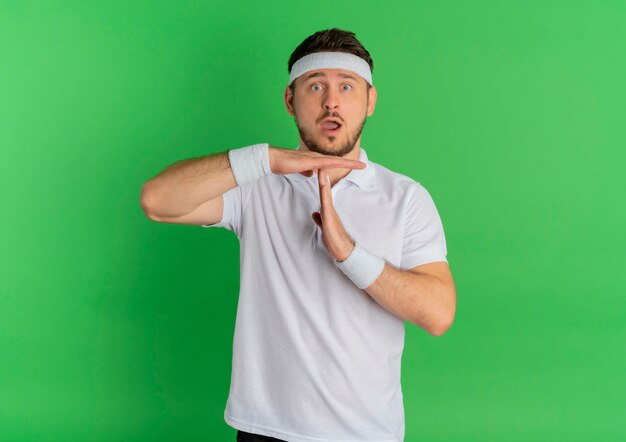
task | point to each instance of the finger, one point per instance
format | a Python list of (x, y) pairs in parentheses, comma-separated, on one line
[(310, 166), (321, 178), (320, 184), (337, 163), (326, 197)]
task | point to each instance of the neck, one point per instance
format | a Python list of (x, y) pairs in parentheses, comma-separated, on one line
[(336, 174)]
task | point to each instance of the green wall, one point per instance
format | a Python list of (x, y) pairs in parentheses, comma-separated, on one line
[(117, 328)]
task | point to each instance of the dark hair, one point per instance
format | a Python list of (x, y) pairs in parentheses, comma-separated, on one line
[(330, 40)]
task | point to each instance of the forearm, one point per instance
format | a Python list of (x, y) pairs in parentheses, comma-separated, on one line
[(184, 185), (418, 298)]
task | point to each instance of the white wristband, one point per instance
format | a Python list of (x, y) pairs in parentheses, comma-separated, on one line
[(250, 163), (361, 266)]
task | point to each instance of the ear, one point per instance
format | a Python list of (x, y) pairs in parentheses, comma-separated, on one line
[(288, 96), (371, 100)]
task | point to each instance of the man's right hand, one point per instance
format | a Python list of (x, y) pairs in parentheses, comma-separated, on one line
[(284, 161)]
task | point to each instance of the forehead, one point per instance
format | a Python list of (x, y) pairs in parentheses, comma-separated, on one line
[(340, 74)]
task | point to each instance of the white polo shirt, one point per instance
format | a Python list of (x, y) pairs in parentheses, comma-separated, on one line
[(315, 358)]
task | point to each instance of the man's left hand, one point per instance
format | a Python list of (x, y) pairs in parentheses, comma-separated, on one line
[(334, 235)]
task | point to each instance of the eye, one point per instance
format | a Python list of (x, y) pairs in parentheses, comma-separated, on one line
[(315, 86), (347, 86)]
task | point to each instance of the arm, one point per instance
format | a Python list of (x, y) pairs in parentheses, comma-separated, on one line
[(190, 191), (185, 185), (424, 295)]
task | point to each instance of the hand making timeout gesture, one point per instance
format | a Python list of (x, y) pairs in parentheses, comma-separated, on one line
[(334, 235), (336, 240)]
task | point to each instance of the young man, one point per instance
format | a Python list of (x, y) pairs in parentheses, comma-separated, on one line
[(336, 253)]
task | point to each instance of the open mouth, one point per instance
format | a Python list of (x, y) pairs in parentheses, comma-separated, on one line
[(331, 127)]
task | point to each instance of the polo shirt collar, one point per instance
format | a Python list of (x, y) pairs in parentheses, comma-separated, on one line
[(364, 178)]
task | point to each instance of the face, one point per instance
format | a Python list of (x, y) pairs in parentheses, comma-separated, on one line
[(330, 93)]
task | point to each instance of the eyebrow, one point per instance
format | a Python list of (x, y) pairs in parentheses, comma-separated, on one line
[(322, 74)]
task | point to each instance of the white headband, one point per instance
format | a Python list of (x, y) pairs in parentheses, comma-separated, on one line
[(331, 60)]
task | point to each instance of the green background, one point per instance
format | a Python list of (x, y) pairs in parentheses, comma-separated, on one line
[(117, 328)]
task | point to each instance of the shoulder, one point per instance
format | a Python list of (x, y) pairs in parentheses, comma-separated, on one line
[(396, 183)]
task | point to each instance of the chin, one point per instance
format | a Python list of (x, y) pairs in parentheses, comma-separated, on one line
[(338, 146)]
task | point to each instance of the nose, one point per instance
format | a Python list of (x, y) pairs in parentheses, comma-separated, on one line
[(331, 99)]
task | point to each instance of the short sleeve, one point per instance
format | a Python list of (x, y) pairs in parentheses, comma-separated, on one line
[(231, 216), (424, 239)]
